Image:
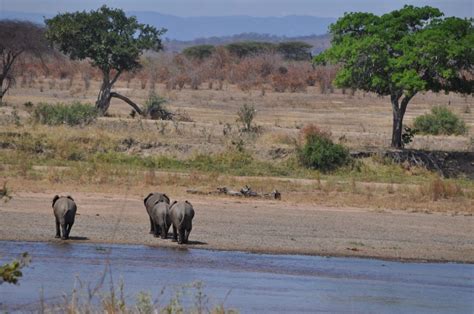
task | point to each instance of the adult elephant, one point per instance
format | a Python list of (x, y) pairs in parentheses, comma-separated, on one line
[(181, 216), (160, 214), (150, 201), (64, 209)]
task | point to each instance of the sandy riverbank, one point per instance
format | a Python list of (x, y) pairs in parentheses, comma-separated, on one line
[(254, 226)]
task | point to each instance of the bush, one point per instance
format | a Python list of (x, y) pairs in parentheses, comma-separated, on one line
[(73, 114), (440, 121), (199, 52), (319, 151), (246, 114), (155, 109)]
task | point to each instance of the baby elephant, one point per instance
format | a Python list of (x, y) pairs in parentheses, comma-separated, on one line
[(64, 209), (150, 201), (181, 215), (160, 214)]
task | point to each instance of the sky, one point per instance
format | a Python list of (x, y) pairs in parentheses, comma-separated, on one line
[(321, 8)]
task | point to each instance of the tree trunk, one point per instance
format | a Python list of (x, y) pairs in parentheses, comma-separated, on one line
[(398, 114), (397, 129), (103, 99)]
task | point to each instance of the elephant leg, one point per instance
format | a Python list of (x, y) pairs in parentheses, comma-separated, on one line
[(152, 226), (58, 232), (186, 236), (175, 234), (164, 232), (181, 238), (156, 231), (68, 229), (64, 231)]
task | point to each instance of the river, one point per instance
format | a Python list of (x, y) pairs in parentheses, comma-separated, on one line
[(250, 283)]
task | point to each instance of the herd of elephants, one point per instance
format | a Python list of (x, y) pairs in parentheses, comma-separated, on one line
[(161, 211)]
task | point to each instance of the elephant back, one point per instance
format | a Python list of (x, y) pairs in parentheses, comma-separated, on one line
[(181, 211), (63, 205), (154, 198)]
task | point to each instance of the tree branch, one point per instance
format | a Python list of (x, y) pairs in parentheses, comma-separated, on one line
[(128, 101), (115, 77)]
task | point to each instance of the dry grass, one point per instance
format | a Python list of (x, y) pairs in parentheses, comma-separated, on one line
[(119, 151)]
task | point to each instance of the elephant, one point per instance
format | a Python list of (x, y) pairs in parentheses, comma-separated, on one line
[(181, 215), (160, 214), (64, 209), (150, 201)]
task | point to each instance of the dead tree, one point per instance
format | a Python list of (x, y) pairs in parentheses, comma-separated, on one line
[(17, 38)]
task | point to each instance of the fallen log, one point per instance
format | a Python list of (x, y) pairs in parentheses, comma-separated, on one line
[(246, 191)]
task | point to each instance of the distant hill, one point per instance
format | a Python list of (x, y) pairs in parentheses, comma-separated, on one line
[(191, 28), (319, 42)]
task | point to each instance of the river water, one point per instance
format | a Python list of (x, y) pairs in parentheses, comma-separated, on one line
[(250, 283)]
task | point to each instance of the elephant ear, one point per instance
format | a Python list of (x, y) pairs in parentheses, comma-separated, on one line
[(174, 202), (70, 197), (167, 199), (55, 198), (146, 198)]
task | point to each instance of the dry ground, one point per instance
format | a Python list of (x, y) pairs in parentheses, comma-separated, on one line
[(326, 217), (360, 121), (256, 226)]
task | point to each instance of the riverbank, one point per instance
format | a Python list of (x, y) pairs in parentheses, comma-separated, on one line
[(277, 227)]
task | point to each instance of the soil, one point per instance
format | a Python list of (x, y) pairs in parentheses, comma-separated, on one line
[(261, 226)]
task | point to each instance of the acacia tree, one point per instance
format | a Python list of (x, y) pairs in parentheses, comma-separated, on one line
[(17, 38), (402, 53), (111, 41)]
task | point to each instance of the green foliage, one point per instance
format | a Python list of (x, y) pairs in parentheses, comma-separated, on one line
[(402, 53), (155, 109), (295, 50), (246, 114), (199, 52), (441, 120), (73, 114), (110, 39), (11, 272), (319, 152), (408, 135), (249, 48)]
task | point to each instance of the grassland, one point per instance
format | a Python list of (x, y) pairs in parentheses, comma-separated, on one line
[(209, 151)]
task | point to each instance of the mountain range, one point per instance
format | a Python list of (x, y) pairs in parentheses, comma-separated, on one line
[(191, 28)]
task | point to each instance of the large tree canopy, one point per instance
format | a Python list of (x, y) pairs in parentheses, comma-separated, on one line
[(112, 42), (402, 53), (17, 38)]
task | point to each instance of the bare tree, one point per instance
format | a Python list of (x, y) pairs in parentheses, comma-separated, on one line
[(17, 38)]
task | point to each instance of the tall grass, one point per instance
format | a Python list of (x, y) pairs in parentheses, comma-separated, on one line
[(72, 114)]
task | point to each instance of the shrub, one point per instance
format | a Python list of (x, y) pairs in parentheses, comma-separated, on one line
[(440, 121), (73, 114), (246, 114), (11, 272), (155, 109), (319, 151), (199, 52)]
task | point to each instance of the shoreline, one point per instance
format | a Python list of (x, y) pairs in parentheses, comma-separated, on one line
[(227, 224), (256, 252)]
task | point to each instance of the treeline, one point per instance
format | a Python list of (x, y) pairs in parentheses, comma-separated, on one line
[(292, 50), (250, 65)]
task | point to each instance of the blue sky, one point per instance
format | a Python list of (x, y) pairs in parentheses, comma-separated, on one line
[(323, 8)]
